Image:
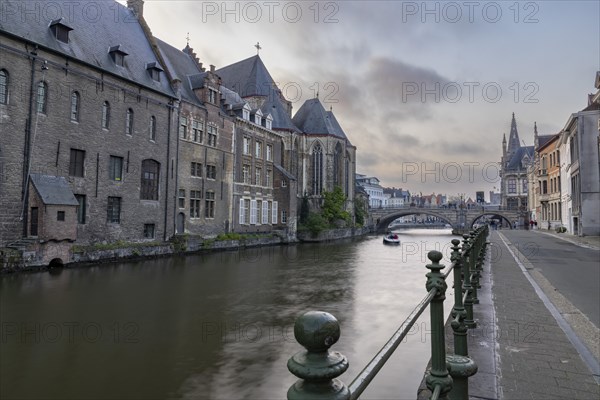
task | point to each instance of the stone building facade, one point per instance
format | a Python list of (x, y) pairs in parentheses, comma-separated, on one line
[(147, 141), (546, 176), (513, 171), (327, 158), (205, 157), (581, 137), (89, 103)]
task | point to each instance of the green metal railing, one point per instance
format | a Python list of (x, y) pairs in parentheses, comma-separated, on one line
[(318, 367)]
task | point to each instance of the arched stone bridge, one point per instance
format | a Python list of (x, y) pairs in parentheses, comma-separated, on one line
[(461, 220)]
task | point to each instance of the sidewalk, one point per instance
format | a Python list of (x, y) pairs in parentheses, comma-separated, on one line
[(534, 357), (585, 241)]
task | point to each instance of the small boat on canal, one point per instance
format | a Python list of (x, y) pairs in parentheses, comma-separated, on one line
[(391, 238)]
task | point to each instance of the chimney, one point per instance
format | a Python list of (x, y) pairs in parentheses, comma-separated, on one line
[(212, 68), (137, 6)]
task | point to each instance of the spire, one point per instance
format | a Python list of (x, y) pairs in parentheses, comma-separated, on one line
[(503, 144), (513, 138)]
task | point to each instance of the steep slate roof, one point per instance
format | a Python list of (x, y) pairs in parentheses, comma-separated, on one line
[(183, 67), (53, 190), (544, 139), (250, 77), (232, 98), (312, 118), (284, 172), (515, 161), (89, 42)]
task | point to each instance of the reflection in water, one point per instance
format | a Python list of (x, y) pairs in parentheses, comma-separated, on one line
[(212, 326)]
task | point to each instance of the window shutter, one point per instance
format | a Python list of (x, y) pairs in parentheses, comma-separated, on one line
[(274, 212), (265, 212), (252, 212), (242, 212)]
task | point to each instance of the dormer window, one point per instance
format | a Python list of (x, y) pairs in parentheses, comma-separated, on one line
[(154, 70), (269, 121), (60, 30), (258, 117), (118, 55), (212, 96), (246, 112)]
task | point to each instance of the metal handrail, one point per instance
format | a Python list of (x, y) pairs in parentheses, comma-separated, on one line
[(360, 383), (317, 331)]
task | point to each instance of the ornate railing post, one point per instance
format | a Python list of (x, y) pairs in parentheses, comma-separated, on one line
[(480, 251), (459, 314), (468, 288), (438, 380), (473, 267), (317, 367), (460, 366)]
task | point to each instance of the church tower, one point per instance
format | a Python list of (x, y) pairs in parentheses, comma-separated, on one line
[(513, 139)]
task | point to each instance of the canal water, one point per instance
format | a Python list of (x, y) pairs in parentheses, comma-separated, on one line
[(213, 326)]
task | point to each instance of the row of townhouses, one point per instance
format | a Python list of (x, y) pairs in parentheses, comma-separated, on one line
[(111, 134), (556, 182)]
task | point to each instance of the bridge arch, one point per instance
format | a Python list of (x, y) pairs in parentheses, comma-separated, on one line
[(383, 222), (494, 214)]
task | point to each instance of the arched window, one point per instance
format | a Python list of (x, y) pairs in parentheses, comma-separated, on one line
[(75, 106), (338, 158), (152, 128), (317, 169), (3, 86), (150, 176), (42, 97), (105, 115), (129, 122), (347, 175), (294, 158)]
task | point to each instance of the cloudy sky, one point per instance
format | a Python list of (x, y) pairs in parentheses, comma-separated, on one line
[(424, 90)]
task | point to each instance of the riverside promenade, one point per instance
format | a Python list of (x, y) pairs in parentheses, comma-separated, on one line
[(537, 335)]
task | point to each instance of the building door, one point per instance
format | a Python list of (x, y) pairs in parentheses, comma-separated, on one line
[(180, 223), (33, 228)]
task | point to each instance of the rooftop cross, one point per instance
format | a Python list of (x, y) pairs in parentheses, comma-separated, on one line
[(257, 45)]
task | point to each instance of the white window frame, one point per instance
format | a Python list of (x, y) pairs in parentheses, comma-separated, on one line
[(258, 149), (274, 213), (265, 212), (269, 155), (253, 212), (242, 212)]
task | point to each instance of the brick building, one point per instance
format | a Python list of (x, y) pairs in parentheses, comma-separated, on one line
[(310, 149), (205, 155), (264, 195), (87, 103), (513, 170)]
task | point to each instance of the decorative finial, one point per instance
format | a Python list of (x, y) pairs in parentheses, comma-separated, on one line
[(188, 39), (535, 127), (257, 45), (330, 108)]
